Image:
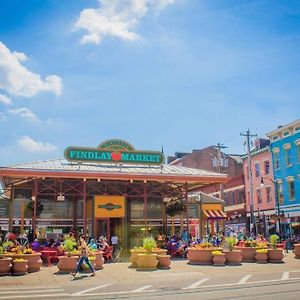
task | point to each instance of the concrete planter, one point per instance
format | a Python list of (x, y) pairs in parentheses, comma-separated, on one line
[(297, 251), (67, 264), (200, 256), (5, 266), (99, 261), (134, 257), (234, 257), (20, 267), (164, 261), (261, 258), (147, 262), (34, 260), (275, 255), (219, 260), (248, 253)]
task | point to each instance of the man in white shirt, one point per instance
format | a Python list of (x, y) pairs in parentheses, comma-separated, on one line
[(114, 241)]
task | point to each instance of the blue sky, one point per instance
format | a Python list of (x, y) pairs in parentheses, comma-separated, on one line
[(184, 74)]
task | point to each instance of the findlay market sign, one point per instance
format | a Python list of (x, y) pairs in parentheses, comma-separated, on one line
[(114, 151)]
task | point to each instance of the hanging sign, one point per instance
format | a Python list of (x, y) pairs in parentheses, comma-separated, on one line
[(114, 151), (109, 206)]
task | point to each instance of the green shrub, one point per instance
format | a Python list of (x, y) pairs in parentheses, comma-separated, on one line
[(230, 242), (274, 240), (1, 251), (7, 245), (148, 244), (69, 244)]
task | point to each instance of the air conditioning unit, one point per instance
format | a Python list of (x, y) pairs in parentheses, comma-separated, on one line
[(60, 197)]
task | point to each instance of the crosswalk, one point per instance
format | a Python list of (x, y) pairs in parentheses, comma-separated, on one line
[(107, 289)]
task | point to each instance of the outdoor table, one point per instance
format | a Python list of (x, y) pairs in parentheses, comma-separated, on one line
[(48, 254)]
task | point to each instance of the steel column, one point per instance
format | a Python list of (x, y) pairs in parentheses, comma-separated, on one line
[(84, 206), (186, 207), (145, 203)]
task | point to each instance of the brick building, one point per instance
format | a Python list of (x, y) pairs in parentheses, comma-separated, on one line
[(233, 191)]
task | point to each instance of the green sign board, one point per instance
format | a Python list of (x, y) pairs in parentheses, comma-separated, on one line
[(114, 151), (109, 206)]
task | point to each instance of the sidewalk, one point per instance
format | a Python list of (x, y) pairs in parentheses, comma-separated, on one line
[(120, 272)]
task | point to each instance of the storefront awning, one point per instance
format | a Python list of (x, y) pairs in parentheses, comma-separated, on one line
[(214, 214)]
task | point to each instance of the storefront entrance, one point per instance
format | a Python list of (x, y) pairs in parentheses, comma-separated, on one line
[(110, 226)]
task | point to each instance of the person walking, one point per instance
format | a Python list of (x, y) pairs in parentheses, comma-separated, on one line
[(84, 257)]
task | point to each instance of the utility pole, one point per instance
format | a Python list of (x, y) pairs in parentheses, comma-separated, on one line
[(248, 136)]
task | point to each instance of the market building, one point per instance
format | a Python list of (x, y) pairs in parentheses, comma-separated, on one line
[(285, 148), (110, 189)]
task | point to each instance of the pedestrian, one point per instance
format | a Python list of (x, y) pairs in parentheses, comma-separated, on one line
[(85, 251), (114, 242)]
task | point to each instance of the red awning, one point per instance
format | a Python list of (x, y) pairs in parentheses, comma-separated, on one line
[(214, 214)]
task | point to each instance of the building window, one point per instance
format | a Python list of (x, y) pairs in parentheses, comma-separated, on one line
[(233, 198), (276, 160), (287, 157), (297, 129), (275, 138), (269, 194), (259, 198), (298, 153), (267, 167), (241, 197), (257, 170), (291, 185), (286, 133), (279, 192)]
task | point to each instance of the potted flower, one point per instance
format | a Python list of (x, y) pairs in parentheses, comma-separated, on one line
[(218, 258), (201, 254), (134, 256), (248, 250), (67, 264), (20, 266), (275, 255), (147, 261), (5, 265), (233, 257), (297, 250), (261, 256)]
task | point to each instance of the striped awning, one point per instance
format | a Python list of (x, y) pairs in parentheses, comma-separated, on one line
[(214, 214)]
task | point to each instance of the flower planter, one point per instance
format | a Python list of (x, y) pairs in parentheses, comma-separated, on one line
[(20, 267), (248, 253), (234, 257), (5, 266), (34, 260), (200, 256), (159, 251), (85, 268), (67, 264), (261, 258), (219, 260), (134, 257), (275, 255), (147, 262), (297, 251), (99, 261), (164, 261)]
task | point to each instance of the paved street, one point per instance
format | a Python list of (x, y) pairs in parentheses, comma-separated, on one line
[(118, 281)]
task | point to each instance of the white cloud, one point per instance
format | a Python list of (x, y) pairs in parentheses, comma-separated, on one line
[(25, 113), (18, 80), (115, 18), (33, 146), (5, 100)]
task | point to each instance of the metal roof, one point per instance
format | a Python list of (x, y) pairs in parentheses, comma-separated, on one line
[(61, 165)]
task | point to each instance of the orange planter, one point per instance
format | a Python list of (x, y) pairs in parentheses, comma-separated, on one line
[(20, 267), (98, 262), (134, 257), (275, 255), (261, 258), (5, 266), (164, 261), (219, 260), (297, 251), (34, 260), (248, 253), (67, 264), (147, 262), (233, 257), (200, 256)]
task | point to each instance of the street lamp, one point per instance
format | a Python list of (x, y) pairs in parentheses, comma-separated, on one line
[(276, 199)]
